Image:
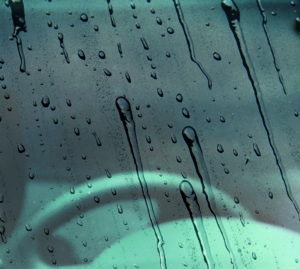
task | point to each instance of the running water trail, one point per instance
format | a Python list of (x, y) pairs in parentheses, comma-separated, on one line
[(125, 112), (264, 24), (233, 15), (18, 16), (189, 41), (190, 136), (191, 202)]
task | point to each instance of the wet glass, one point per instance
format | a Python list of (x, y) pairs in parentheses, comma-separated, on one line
[(149, 134)]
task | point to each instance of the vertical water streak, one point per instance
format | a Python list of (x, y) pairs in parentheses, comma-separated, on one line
[(264, 24), (233, 15), (189, 41), (191, 139), (125, 112), (18, 16), (191, 202)]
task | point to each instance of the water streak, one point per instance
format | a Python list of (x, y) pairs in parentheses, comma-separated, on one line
[(191, 139), (189, 41), (191, 202), (233, 15), (264, 24), (125, 112)]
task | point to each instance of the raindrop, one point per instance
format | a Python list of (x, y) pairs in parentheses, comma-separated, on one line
[(179, 97), (292, 3), (68, 102), (178, 159), (217, 56), (236, 200), (173, 139), (148, 139), (72, 190), (97, 139), (270, 194), (220, 148), (226, 171), (128, 77), (21, 148), (222, 119), (235, 153), (120, 209), (120, 49), (108, 174), (76, 131), (96, 28), (132, 5), (106, 72), (45, 101), (84, 17), (185, 112), (298, 24), (254, 256), (153, 75), (97, 199), (46, 231), (170, 30), (158, 20), (101, 54), (160, 92), (28, 227), (31, 175), (256, 150), (51, 249), (81, 54), (144, 42), (49, 23)]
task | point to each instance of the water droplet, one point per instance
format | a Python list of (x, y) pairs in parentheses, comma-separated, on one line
[(106, 72), (132, 5), (97, 199), (50, 249), (160, 92), (128, 77), (97, 139), (120, 49), (158, 20), (273, 13), (235, 153), (185, 112), (84, 17), (101, 54), (222, 119), (170, 30), (217, 56), (178, 159), (120, 209), (270, 194), (144, 42), (254, 256), (88, 120), (72, 190), (96, 28), (21, 148), (108, 174), (153, 75), (292, 3), (298, 24), (148, 139), (46, 231), (45, 101), (226, 171), (31, 175), (236, 199), (220, 148), (49, 23), (256, 150), (28, 227), (179, 97), (81, 54), (76, 131)]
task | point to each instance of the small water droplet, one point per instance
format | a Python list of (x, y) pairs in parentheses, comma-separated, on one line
[(222, 119), (158, 20), (45, 101), (72, 190), (256, 150), (101, 54), (254, 256), (81, 54), (144, 43), (270, 194), (84, 17), (220, 148), (77, 131), (236, 199), (21, 148), (106, 72), (46, 231), (50, 249), (128, 77), (97, 199), (217, 56), (179, 97), (120, 209), (160, 92), (96, 28), (170, 30), (28, 227), (185, 112)]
